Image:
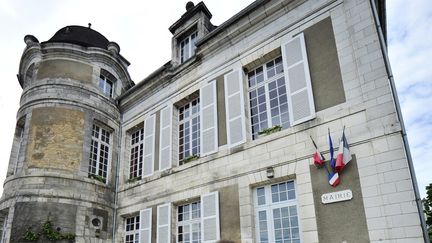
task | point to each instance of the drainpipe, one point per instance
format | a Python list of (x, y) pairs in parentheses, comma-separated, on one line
[(400, 118), (117, 180)]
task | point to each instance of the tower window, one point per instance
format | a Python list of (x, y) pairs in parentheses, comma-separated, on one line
[(106, 85), (99, 153)]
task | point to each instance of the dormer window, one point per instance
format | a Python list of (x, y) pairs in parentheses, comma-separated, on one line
[(187, 46)]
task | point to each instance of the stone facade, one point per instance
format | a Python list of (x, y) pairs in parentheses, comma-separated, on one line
[(145, 173)]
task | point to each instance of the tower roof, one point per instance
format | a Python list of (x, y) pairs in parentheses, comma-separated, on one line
[(79, 35)]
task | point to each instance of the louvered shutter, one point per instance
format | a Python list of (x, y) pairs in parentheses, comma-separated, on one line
[(165, 154), (210, 231), (163, 233), (299, 87), (149, 145), (208, 119), (234, 105), (145, 226)]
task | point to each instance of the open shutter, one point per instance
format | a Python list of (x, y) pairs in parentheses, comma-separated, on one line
[(234, 105), (299, 87), (208, 119), (165, 155), (149, 145), (145, 226), (210, 217), (163, 233)]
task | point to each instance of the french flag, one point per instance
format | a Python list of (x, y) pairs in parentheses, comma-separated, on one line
[(318, 157), (333, 179), (331, 150), (344, 154)]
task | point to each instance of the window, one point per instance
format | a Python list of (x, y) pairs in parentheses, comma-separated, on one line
[(136, 154), (132, 229), (276, 213), (99, 153), (187, 47), (19, 135), (106, 85), (189, 223), (268, 97), (189, 130)]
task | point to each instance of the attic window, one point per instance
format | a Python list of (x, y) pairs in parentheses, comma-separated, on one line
[(187, 46), (105, 85)]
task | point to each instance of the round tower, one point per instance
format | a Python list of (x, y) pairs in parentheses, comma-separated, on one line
[(62, 170)]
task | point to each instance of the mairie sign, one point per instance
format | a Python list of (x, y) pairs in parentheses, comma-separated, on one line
[(339, 196)]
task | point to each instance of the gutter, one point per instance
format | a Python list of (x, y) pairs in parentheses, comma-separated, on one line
[(117, 180), (400, 118)]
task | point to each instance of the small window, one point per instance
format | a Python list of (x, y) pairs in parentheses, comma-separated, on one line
[(99, 153), (106, 85), (136, 154), (187, 47), (189, 131), (268, 97), (276, 213), (19, 134), (189, 223), (132, 229)]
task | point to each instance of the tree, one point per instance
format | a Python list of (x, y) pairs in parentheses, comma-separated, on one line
[(427, 204)]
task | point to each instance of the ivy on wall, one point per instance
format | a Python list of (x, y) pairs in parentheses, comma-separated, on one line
[(47, 232)]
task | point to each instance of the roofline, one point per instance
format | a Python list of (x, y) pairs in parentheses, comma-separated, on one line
[(200, 6), (144, 81), (232, 20)]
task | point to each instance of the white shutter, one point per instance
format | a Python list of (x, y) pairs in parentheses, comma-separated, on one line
[(165, 154), (210, 231), (149, 145), (299, 87), (234, 105), (163, 233), (208, 119), (145, 226)]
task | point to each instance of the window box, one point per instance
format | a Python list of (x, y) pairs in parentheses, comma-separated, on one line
[(270, 130)]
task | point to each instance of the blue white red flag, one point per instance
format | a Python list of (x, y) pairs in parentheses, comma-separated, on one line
[(333, 179), (344, 154), (331, 150), (318, 157)]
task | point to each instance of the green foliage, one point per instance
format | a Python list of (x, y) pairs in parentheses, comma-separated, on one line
[(190, 158), (48, 232), (427, 204), (30, 235), (97, 177), (133, 179), (270, 130)]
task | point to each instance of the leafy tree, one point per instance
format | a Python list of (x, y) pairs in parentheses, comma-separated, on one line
[(427, 203)]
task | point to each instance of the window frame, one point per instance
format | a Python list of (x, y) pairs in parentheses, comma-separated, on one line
[(139, 145), (269, 206), (265, 84), (190, 222), (104, 80), (98, 155), (135, 232), (189, 120), (191, 40)]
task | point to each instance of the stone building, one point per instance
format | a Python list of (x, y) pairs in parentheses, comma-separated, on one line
[(215, 144)]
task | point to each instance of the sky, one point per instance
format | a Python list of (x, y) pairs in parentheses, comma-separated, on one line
[(141, 30)]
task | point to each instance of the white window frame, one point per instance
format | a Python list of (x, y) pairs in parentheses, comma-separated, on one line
[(191, 131), (191, 221), (190, 44), (104, 80), (265, 83), (136, 231), (100, 142), (269, 206), (140, 153)]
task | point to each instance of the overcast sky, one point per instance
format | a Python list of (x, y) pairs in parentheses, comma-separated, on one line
[(141, 30)]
